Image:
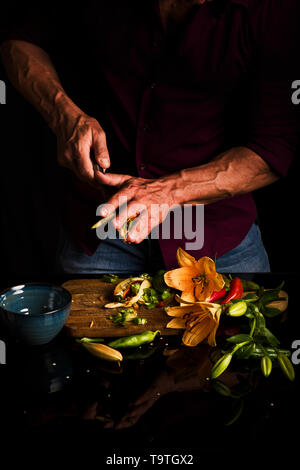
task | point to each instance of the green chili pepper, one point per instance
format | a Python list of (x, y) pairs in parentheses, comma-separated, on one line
[(266, 365), (139, 321), (135, 340), (286, 366), (150, 297), (146, 276), (123, 315), (110, 277), (237, 309), (165, 295), (135, 287), (138, 355)]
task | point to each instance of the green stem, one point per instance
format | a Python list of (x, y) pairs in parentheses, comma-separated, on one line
[(253, 326)]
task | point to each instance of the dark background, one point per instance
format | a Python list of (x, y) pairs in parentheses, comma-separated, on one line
[(31, 188)]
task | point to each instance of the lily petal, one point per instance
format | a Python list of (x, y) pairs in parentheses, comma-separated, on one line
[(203, 292), (188, 297), (181, 278), (211, 339), (180, 311), (183, 300), (184, 258), (177, 323), (218, 282), (198, 333)]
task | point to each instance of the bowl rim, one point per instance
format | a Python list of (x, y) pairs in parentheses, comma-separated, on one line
[(41, 284)]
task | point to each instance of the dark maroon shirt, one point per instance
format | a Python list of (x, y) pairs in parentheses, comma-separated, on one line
[(173, 101)]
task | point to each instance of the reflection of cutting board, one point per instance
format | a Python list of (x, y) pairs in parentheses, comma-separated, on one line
[(89, 318)]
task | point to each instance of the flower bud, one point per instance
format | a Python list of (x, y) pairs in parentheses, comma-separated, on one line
[(266, 365), (221, 365), (221, 388), (238, 309), (286, 366)]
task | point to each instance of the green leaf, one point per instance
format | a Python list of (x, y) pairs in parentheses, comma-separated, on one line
[(271, 312), (249, 285), (272, 340), (239, 338), (269, 296), (246, 351), (250, 298)]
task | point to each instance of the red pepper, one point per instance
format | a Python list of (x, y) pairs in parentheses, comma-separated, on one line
[(236, 291), (216, 295)]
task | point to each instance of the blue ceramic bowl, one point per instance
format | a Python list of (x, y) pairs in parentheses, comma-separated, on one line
[(35, 313)]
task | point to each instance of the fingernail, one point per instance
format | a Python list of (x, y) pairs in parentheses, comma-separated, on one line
[(104, 161), (104, 212)]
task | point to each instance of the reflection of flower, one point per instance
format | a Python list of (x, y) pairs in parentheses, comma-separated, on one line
[(200, 320), (196, 279)]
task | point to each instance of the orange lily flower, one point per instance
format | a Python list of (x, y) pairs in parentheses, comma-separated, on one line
[(196, 279), (200, 320)]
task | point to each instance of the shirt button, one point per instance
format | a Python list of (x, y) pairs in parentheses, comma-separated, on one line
[(142, 166), (145, 127), (153, 85)]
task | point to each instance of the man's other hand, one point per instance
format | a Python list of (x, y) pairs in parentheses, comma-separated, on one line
[(150, 199), (81, 143)]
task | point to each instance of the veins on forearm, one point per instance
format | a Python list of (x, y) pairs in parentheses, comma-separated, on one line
[(238, 171), (32, 73)]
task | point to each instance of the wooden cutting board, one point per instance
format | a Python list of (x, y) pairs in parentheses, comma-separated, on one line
[(88, 317)]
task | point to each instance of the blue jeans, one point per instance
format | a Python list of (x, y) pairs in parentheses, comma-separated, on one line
[(115, 256)]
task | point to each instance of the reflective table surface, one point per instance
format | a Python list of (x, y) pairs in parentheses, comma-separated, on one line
[(159, 402)]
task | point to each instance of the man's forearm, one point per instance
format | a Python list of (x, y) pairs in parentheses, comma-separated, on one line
[(235, 172), (32, 73)]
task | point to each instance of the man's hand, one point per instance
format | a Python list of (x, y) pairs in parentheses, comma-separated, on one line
[(76, 138), (32, 72), (151, 199)]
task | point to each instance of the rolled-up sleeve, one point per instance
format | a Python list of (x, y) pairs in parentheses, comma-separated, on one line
[(274, 128)]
